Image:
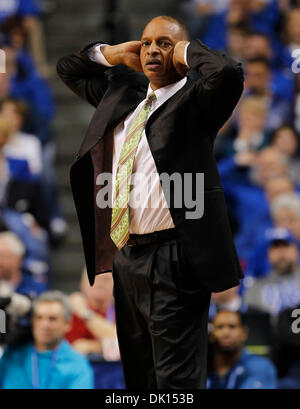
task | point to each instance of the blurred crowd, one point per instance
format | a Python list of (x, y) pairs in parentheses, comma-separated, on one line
[(258, 156)]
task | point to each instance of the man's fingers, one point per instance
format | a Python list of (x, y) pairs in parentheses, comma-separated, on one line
[(133, 46)]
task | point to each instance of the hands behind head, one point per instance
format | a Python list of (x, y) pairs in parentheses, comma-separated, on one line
[(129, 54), (125, 53)]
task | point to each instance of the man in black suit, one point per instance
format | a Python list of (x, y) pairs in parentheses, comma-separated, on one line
[(165, 260)]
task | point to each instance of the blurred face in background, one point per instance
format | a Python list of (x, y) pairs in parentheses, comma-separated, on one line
[(286, 141), (10, 264), (257, 46), (283, 257), (252, 115), (10, 112), (236, 42), (277, 186), (228, 333), (100, 295), (18, 37), (290, 219), (269, 164), (293, 27), (48, 324), (257, 78)]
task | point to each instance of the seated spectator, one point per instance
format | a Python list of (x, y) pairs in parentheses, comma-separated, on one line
[(260, 15), (20, 82), (201, 13), (15, 35), (34, 238), (17, 189), (292, 33), (285, 139), (251, 122), (12, 252), (49, 362), (29, 10), (258, 82), (93, 315), (280, 289), (17, 289), (253, 239), (231, 366), (286, 213), (20, 144), (244, 178), (259, 45), (24, 147), (24, 8), (236, 40)]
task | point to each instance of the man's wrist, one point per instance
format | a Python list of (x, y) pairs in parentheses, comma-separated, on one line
[(96, 54), (112, 54), (180, 53)]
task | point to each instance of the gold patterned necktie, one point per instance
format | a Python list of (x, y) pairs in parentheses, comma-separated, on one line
[(119, 230)]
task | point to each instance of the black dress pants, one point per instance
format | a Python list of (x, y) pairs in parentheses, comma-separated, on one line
[(161, 317)]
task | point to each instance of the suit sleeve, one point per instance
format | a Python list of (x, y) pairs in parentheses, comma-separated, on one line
[(84, 77), (221, 81)]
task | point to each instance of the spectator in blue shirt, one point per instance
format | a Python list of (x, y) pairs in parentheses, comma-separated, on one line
[(259, 15), (30, 11), (49, 362), (292, 31), (12, 252), (35, 240), (260, 45), (231, 366), (259, 83), (245, 179), (285, 212), (24, 8), (280, 288)]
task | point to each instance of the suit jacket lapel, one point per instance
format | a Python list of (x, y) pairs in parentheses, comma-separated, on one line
[(114, 107)]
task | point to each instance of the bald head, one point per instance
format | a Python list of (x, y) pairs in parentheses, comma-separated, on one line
[(178, 29)]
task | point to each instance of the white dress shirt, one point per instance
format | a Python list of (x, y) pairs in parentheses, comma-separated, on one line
[(148, 209)]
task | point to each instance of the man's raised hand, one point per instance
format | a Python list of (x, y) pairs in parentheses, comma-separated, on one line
[(125, 53), (178, 58)]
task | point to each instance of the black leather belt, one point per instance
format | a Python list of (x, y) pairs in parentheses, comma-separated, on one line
[(155, 237)]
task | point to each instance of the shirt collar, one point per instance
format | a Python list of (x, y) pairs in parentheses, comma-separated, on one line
[(170, 89)]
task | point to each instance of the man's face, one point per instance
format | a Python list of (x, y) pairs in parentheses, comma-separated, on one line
[(257, 78), (283, 257), (293, 27), (257, 46), (158, 41), (10, 264), (48, 324), (286, 141), (228, 333), (269, 165), (277, 186), (9, 112)]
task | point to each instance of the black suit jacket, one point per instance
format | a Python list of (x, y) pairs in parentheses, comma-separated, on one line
[(180, 134)]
